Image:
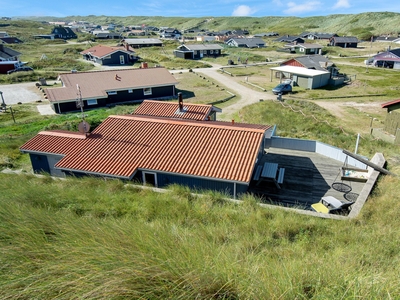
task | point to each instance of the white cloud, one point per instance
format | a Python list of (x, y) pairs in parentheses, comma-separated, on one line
[(342, 4), (242, 11), (308, 6)]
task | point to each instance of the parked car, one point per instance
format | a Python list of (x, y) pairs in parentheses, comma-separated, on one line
[(20, 69), (282, 88)]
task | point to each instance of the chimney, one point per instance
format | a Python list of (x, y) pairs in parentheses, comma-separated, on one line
[(127, 46), (233, 122), (180, 101)]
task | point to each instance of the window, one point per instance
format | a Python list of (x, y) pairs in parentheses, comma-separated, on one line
[(147, 91), (301, 49), (130, 91), (92, 102), (211, 52), (112, 93)]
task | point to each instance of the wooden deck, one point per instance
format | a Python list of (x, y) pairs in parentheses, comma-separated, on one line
[(308, 177)]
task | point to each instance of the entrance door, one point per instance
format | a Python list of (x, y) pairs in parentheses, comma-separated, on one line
[(121, 59), (150, 178)]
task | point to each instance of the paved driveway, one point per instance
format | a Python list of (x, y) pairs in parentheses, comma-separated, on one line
[(21, 93), (26, 92)]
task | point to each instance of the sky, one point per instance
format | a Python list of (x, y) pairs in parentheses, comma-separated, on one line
[(190, 8)]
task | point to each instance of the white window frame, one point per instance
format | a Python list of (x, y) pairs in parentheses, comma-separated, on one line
[(111, 93), (147, 91), (91, 102), (211, 51), (130, 91)]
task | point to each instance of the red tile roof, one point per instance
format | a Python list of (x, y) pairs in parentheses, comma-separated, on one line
[(55, 142), (171, 110), (122, 144), (102, 50), (386, 104), (96, 84)]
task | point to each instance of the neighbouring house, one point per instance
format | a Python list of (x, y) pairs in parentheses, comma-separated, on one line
[(105, 88), (65, 33), (170, 33), (3, 34), (289, 39), (344, 41), (246, 42), (178, 110), (107, 55), (8, 54), (139, 43), (198, 51), (205, 38), (309, 71), (266, 34), (305, 78), (318, 35), (304, 48), (386, 39), (316, 62), (203, 155), (10, 40), (108, 36), (392, 121), (388, 59)]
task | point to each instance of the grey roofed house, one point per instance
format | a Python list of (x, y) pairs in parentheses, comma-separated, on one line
[(305, 48), (108, 35), (246, 42), (137, 43), (344, 41), (61, 32), (289, 39), (8, 53), (10, 40), (196, 51), (317, 35), (266, 34), (316, 62), (385, 39)]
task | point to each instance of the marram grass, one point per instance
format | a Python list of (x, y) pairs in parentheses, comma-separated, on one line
[(96, 239)]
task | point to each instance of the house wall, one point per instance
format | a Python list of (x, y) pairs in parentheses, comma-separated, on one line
[(114, 59), (120, 97), (184, 54), (392, 122), (195, 183), (39, 163), (313, 146)]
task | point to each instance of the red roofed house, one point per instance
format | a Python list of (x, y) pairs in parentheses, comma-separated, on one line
[(105, 88), (205, 155), (392, 122), (106, 55)]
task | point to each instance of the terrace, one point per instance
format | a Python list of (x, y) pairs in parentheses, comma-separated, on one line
[(311, 175)]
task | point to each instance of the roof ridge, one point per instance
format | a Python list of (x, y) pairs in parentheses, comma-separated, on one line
[(215, 124), (63, 133)]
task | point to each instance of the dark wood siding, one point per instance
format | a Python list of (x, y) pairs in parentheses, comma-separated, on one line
[(195, 183), (40, 163)]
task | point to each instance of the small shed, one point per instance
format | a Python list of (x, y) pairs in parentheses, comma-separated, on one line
[(305, 78), (392, 121)]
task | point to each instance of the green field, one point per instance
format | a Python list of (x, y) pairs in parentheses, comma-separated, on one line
[(92, 238)]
